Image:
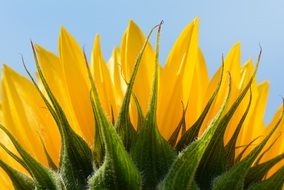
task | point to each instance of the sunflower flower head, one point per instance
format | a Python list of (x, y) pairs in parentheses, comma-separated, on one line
[(132, 123)]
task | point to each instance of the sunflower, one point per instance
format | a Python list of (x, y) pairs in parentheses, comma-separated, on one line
[(132, 123)]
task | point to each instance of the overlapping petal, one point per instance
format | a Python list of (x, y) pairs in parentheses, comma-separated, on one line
[(176, 78), (73, 65), (183, 81), (26, 116)]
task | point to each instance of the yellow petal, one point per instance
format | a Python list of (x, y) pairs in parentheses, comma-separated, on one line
[(26, 116), (76, 79), (197, 97), (54, 75), (232, 68), (253, 125), (117, 81), (176, 79), (173, 113), (278, 146), (131, 44), (232, 63), (5, 182), (101, 77), (246, 73), (6, 158)]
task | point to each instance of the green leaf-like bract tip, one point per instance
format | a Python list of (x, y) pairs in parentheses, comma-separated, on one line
[(75, 156), (151, 152), (123, 125), (123, 157), (117, 169)]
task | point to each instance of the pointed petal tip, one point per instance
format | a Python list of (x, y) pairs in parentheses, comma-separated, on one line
[(194, 24), (63, 29), (131, 23), (248, 65), (38, 48), (63, 33), (97, 37), (132, 27), (6, 70), (196, 20), (96, 52), (265, 84), (237, 45), (4, 66), (250, 61), (97, 41), (115, 51), (263, 87)]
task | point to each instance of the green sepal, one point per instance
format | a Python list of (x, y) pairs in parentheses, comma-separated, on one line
[(123, 124), (117, 170), (192, 133), (152, 155), (257, 173), (75, 157), (214, 160), (275, 182), (151, 152), (44, 178), (183, 170), (98, 147), (234, 178), (76, 162), (20, 181)]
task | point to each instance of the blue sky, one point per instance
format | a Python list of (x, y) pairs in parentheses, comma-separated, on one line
[(222, 23)]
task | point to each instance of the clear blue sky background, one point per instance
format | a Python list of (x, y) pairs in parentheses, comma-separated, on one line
[(222, 23)]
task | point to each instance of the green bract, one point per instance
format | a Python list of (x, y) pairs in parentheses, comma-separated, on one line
[(139, 157)]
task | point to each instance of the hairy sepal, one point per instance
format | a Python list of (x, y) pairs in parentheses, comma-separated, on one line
[(117, 169), (215, 159), (75, 156)]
